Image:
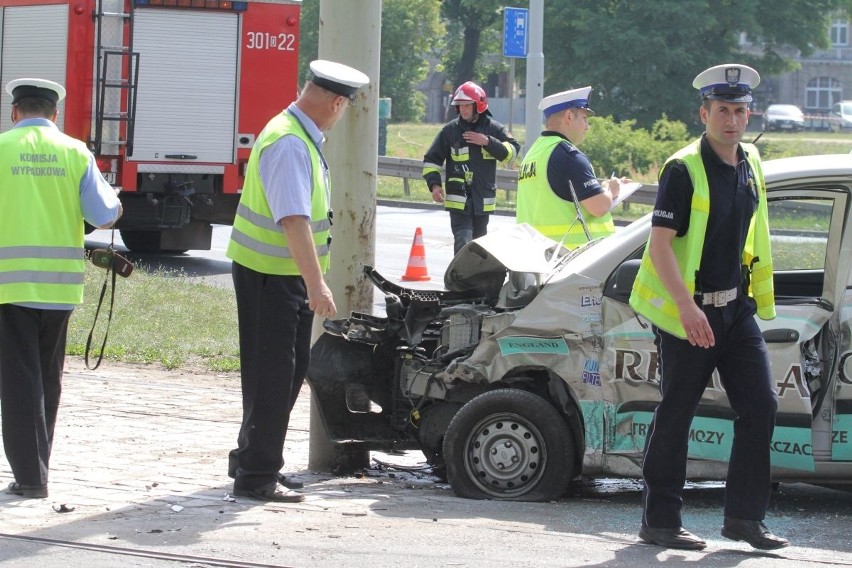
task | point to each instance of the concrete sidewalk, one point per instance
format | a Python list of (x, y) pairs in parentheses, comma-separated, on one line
[(138, 478)]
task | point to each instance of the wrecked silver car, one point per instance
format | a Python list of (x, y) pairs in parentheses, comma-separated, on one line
[(531, 369)]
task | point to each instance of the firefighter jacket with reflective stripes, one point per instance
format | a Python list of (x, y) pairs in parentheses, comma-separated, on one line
[(41, 232), (649, 296), (551, 215), (257, 241), (471, 169)]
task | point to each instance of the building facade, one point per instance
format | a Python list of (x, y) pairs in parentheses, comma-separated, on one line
[(823, 78)]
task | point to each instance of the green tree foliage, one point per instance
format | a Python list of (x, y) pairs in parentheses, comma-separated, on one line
[(474, 31), (627, 149), (308, 36), (641, 56), (411, 30)]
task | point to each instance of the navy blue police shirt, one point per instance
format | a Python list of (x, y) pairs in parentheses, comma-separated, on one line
[(567, 163), (733, 201)]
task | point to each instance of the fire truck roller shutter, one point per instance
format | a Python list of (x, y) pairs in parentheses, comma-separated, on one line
[(34, 43), (187, 84)]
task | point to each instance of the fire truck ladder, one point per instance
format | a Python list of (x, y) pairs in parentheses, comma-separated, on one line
[(117, 78)]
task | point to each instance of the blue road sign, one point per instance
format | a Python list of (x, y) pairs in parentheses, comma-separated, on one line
[(515, 39)]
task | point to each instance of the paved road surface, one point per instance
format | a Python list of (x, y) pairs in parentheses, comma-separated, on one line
[(139, 463)]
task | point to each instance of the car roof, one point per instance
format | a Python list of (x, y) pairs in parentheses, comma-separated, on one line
[(828, 165)]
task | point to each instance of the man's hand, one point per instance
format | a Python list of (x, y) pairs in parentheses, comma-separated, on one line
[(477, 138), (694, 321), (437, 194), (321, 302), (302, 248), (614, 185)]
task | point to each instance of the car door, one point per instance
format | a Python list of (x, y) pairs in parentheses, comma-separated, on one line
[(806, 224)]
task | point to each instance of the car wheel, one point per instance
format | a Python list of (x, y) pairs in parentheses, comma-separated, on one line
[(509, 444)]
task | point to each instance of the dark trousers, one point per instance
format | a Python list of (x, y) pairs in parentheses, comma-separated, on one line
[(32, 356), (741, 357), (275, 340), (467, 226)]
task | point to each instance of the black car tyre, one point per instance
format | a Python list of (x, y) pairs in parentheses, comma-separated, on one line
[(509, 444)]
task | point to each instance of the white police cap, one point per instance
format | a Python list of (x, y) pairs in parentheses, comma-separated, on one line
[(32, 87), (575, 98), (338, 78), (730, 82)]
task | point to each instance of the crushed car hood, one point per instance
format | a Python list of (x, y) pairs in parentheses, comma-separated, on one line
[(482, 264)]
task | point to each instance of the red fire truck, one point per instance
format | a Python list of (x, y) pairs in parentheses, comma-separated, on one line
[(169, 94)]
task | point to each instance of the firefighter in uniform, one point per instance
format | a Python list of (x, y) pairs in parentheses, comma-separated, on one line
[(706, 271), (280, 246), (470, 146), (554, 176), (49, 183)]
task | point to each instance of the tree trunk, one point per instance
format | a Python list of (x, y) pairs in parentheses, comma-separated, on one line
[(465, 71)]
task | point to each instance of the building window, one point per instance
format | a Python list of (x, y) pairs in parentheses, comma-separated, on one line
[(839, 33), (822, 93)]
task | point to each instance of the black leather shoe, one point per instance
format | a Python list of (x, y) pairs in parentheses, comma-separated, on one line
[(269, 492), (27, 491), (285, 480), (289, 482), (672, 538), (753, 532)]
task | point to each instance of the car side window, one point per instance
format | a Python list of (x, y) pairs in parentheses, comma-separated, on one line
[(799, 230)]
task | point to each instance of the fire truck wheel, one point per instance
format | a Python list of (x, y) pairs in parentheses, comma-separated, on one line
[(509, 444)]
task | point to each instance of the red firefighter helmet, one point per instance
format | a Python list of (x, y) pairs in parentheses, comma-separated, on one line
[(470, 92)]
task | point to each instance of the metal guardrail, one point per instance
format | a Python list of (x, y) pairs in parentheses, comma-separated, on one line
[(507, 180)]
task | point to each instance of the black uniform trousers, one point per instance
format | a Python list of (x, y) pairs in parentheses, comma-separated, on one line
[(32, 357), (742, 359), (467, 225), (275, 340)]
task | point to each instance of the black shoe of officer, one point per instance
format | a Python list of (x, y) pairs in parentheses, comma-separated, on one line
[(289, 482), (672, 538), (753, 532)]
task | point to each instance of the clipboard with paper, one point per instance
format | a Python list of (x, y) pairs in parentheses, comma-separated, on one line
[(626, 190)]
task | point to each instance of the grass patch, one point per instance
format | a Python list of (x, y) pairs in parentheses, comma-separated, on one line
[(161, 317)]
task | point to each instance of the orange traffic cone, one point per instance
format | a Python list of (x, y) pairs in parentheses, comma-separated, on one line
[(416, 269)]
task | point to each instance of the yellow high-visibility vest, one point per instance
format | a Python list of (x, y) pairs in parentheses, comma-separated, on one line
[(551, 215), (649, 296), (41, 234), (257, 241)]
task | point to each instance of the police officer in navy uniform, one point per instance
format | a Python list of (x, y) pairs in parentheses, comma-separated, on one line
[(555, 173), (49, 183), (471, 145), (705, 273), (280, 250)]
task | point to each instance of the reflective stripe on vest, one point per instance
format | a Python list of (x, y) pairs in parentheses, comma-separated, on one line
[(28, 255), (551, 215), (267, 223), (257, 241), (650, 297)]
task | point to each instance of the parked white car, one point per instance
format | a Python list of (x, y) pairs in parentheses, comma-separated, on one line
[(841, 116)]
